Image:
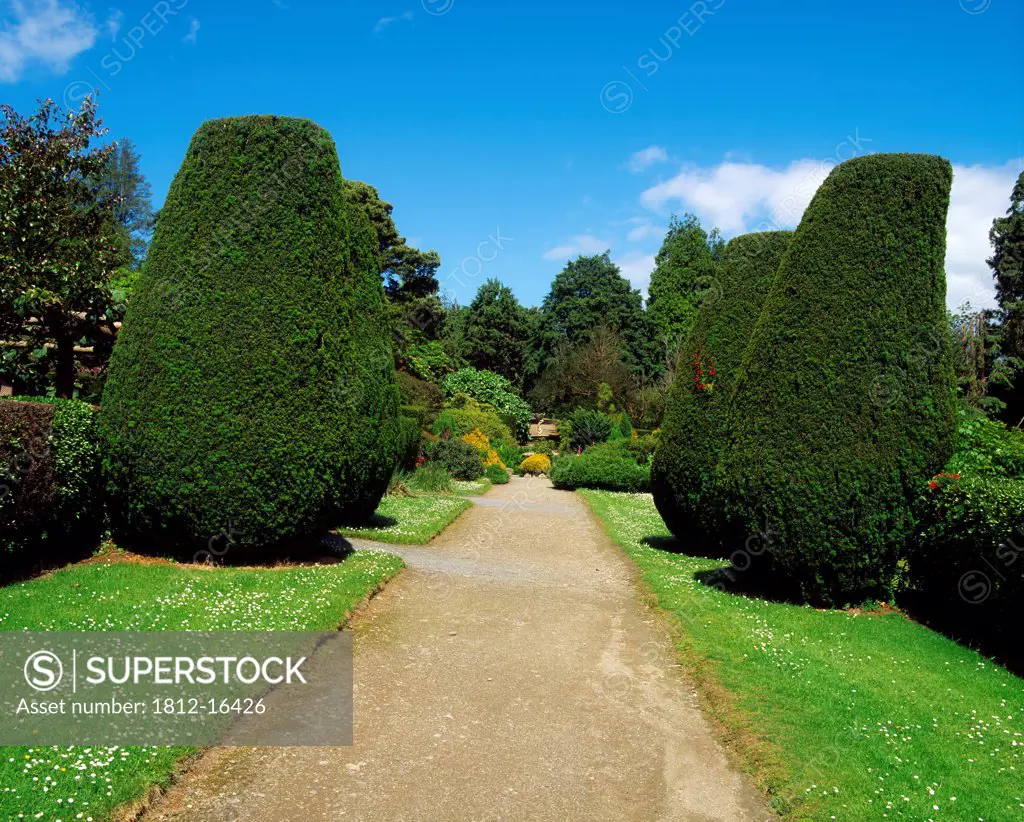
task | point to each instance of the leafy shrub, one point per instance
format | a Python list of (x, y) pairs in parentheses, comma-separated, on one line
[(587, 427), (415, 391), (602, 468), (428, 361), (969, 542), (542, 447), (986, 447), (466, 414), (49, 479), (695, 418), (845, 398), (460, 459), (537, 464), (510, 453), (410, 437), (496, 474), (251, 389), (493, 389)]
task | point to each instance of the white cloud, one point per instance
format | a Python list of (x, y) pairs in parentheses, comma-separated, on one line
[(643, 230), (636, 267), (645, 158), (193, 32), (734, 195), (114, 23), (744, 196), (51, 32), (580, 244), (384, 22), (980, 194)]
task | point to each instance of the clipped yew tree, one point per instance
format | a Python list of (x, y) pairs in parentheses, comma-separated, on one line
[(693, 430), (844, 407), (251, 394)]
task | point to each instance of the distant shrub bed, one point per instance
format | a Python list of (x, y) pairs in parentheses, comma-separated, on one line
[(50, 500), (601, 468)]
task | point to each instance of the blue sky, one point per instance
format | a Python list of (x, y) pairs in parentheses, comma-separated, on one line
[(568, 127)]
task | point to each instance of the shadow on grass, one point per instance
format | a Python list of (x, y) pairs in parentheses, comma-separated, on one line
[(376, 521), (995, 632), (750, 582)]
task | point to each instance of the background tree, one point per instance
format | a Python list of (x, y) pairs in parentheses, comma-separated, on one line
[(981, 366), (590, 292), (495, 332), (57, 241), (684, 270), (574, 375), (123, 186), (1007, 264)]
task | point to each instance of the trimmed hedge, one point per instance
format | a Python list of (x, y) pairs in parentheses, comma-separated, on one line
[(970, 542), (600, 468), (845, 400), (49, 480), (252, 388), (693, 431)]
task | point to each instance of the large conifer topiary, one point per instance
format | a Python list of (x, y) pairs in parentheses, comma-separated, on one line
[(251, 394), (844, 407), (694, 428)]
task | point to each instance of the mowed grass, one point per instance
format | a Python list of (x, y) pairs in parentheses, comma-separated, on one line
[(412, 520), (89, 783), (841, 716)]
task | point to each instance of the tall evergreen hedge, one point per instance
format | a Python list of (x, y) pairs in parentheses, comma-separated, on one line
[(844, 405), (693, 431), (251, 394)]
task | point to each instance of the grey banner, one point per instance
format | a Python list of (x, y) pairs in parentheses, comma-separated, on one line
[(175, 688)]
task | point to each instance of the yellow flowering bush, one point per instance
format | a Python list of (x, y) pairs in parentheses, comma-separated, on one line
[(478, 439), (537, 464), (482, 443)]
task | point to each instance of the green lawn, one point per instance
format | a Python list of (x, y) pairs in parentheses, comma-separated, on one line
[(841, 716), (413, 520), (89, 783), (471, 488)]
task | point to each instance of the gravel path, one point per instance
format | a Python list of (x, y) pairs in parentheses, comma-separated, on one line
[(512, 672)]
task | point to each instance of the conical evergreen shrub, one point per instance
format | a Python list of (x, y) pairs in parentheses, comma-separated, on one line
[(693, 430), (844, 407), (251, 392)]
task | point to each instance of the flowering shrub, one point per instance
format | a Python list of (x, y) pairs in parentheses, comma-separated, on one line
[(537, 464), (480, 441)]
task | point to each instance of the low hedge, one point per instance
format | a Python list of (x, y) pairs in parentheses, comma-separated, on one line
[(496, 474), (535, 464), (970, 541), (49, 479), (601, 468)]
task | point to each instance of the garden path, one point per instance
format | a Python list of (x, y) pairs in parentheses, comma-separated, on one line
[(512, 672)]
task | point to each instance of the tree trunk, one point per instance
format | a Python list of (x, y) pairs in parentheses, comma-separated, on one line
[(65, 367)]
